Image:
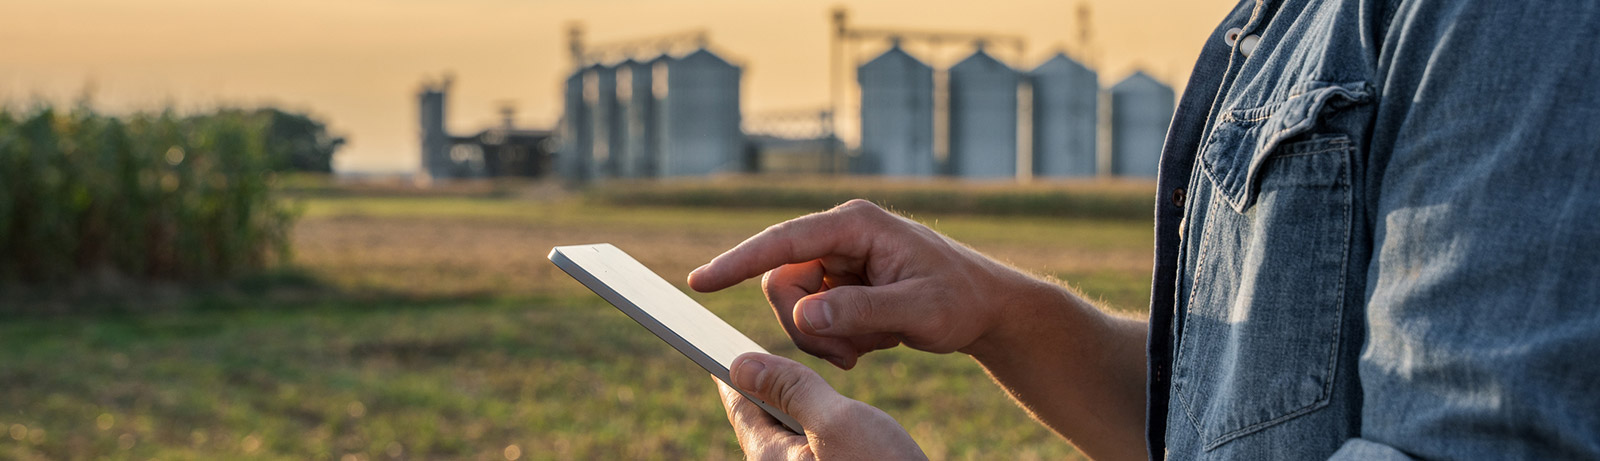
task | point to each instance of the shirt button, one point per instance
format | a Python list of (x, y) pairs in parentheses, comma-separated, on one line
[(1248, 44), (1232, 37), (1178, 196)]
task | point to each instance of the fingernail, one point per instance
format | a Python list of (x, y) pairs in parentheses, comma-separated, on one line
[(697, 270), (749, 375), (838, 362), (817, 315)]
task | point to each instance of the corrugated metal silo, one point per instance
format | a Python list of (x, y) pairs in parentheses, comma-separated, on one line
[(435, 141), (605, 117), (896, 116), (634, 93), (1065, 105), (983, 118), (1141, 110), (698, 110), (577, 133)]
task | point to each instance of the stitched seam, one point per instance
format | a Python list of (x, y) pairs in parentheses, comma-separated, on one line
[(1247, 430), (1344, 268), (1194, 285), (1255, 119), (1217, 191), (1323, 143), (1333, 346), (1308, 154), (1267, 110)]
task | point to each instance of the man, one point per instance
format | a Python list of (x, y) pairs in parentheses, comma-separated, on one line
[(1376, 238)]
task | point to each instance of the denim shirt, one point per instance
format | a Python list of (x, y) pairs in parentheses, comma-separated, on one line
[(1378, 235)]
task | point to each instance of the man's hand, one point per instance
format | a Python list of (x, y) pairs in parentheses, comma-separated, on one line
[(836, 427), (857, 278)]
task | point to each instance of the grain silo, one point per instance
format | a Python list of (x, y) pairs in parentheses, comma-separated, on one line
[(698, 113), (577, 151), (634, 94), (896, 116), (983, 118), (605, 118), (1141, 110), (435, 140), (1065, 104)]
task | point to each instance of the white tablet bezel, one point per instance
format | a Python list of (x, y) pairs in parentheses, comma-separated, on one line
[(637, 291)]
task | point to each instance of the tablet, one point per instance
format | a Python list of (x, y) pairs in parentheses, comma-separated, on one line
[(664, 310)]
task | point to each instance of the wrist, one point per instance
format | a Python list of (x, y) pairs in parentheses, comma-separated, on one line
[(1024, 309)]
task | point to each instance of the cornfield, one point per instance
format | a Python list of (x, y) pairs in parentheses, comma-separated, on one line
[(147, 196)]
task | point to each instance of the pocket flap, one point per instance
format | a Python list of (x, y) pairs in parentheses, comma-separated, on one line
[(1242, 139)]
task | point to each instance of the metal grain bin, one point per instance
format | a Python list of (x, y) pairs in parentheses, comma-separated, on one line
[(1065, 103), (698, 109), (983, 118), (896, 116), (605, 117), (637, 101), (1141, 110), (577, 133), (435, 141)]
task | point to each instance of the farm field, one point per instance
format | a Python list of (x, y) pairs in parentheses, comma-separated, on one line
[(431, 326)]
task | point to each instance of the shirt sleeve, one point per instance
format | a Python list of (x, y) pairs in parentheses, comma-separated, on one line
[(1484, 287)]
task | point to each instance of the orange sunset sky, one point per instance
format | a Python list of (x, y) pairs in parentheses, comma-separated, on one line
[(357, 63)]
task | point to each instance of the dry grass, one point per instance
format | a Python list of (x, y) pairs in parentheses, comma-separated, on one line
[(467, 246)]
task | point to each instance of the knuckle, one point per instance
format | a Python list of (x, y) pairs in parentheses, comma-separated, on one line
[(779, 228), (862, 207), (858, 203), (935, 322), (858, 308), (799, 452), (832, 419), (789, 387), (784, 386), (766, 282), (933, 327)]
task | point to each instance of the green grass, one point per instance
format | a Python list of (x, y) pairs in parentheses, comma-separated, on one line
[(422, 327)]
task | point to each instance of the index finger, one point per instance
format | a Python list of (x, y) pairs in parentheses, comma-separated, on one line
[(809, 237)]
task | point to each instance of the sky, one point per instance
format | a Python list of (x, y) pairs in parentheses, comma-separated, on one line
[(357, 64)]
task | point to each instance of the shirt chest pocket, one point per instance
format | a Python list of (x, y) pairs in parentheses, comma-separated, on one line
[(1266, 294)]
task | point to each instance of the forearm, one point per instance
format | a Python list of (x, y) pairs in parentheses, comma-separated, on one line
[(1074, 368)]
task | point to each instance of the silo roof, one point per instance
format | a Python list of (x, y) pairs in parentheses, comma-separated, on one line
[(894, 54), (1139, 81), (980, 61), (704, 54), (1060, 64)]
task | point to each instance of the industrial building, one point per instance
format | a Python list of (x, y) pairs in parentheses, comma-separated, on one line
[(504, 150), (980, 118), (1141, 110), (896, 116), (654, 116), (983, 118), (636, 94), (698, 116), (1065, 107), (670, 107)]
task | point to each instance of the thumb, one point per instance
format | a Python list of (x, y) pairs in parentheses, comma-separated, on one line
[(895, 309), (786, 385)]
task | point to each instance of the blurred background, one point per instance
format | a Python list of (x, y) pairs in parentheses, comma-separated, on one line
[(316, 230)]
